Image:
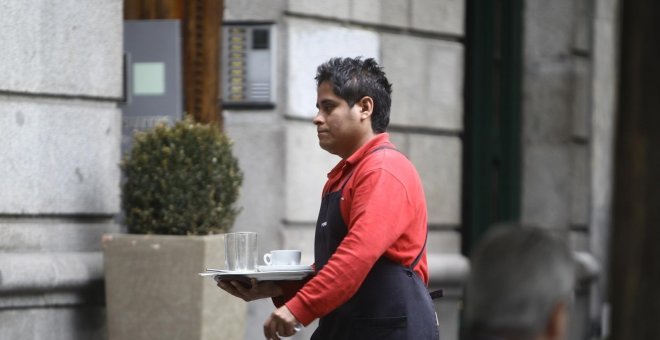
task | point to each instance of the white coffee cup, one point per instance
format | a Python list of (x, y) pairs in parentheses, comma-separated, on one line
[(284, 257)]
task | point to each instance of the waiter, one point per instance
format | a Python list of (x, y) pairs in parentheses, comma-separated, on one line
[(371, 272)]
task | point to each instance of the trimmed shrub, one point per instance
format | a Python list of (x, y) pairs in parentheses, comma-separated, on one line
[(180, 180)]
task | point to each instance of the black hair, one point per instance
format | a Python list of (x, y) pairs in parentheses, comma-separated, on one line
[(354, 78)]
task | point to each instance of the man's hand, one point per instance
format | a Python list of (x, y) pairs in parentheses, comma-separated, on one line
[(281, 323), (249, 292)]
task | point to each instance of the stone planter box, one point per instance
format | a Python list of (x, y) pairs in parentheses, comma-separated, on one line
[(153, 290)]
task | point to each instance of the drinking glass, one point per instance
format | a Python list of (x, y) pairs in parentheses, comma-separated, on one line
[(241, 251)]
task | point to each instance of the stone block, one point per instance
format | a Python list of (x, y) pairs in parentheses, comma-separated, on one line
[(267, 10), (548, 102), (438, 161), (307, 166), (312, 43), (549, 29), (53, 235), (382, 12), (59, 157), (66, 47), (580, 185), (61, 323), (581, 98), (546, 185), (584, 15), (259, 147), (337, 9), (427, 81), (443, 242), (440, 16), (49, 271)]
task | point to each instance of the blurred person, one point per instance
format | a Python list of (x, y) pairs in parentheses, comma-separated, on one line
[(520, 286), (371, 272)]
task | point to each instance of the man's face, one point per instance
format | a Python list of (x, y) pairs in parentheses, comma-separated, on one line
[(339, 127)]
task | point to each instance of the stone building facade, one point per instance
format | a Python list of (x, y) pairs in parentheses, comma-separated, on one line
[(60, 129)]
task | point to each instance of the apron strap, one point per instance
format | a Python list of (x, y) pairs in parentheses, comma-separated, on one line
[(436, 294), (419, 256)]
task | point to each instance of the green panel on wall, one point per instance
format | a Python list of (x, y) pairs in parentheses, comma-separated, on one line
[(492, 119)]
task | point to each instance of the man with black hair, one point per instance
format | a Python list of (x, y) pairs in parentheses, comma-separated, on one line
[(371, 273)]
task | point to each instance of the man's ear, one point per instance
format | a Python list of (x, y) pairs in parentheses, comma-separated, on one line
[(557, 325), (366, 104)]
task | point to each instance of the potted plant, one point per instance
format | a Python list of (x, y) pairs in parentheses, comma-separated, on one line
[(180, 186)]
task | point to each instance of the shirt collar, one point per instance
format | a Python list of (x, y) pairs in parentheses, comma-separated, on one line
[(376, 141), (356, 157)]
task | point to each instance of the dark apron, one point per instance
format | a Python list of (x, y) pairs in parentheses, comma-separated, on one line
[(392, 302)]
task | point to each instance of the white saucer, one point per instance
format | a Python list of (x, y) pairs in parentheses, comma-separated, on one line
[(282, 268), (290, 275)]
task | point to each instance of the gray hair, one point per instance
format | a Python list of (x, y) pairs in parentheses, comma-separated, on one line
[(518, 275)]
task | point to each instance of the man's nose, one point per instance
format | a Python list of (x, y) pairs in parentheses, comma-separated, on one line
[(317, 119)]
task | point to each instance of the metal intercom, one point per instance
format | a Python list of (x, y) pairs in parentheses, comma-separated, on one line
[(247, 65), (153, 88)]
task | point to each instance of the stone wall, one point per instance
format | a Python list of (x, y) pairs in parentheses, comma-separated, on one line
[(555, 114), (569, 74), (59, 131)]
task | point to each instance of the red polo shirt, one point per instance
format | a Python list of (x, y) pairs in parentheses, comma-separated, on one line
[(384, 208)]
